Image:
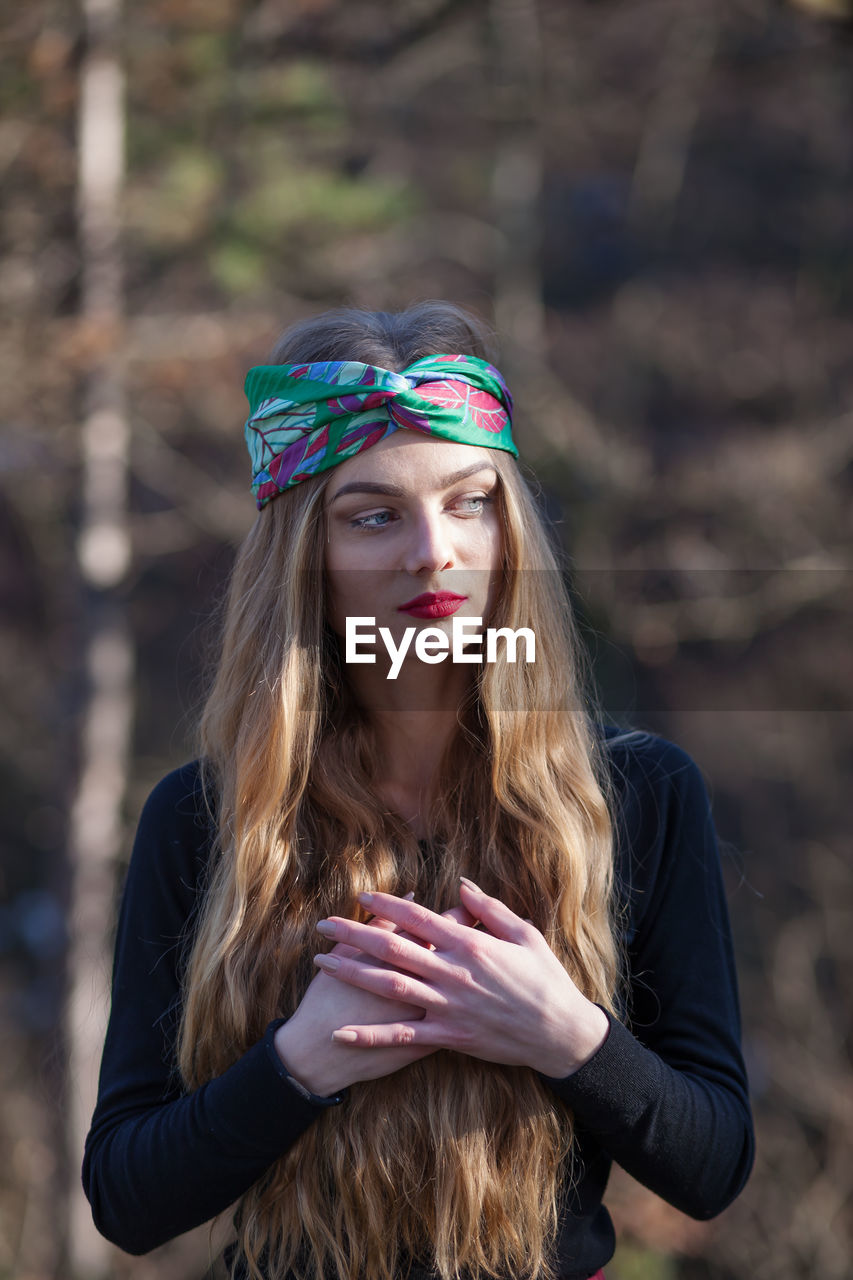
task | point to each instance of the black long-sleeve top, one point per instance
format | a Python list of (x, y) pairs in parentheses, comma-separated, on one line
[(667, 1099)]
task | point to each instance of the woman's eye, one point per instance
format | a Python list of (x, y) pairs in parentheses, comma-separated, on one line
[(480, 500), (376, 520)]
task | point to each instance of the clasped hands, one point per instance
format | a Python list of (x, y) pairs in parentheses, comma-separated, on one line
[(497, 992)]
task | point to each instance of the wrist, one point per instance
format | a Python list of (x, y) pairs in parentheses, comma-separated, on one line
[(589, 1030), (309, 1073)]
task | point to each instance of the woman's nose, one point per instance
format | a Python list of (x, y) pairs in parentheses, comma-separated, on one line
[(429, 546)]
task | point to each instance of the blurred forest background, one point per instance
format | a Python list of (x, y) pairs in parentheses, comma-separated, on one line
[(652, 201)]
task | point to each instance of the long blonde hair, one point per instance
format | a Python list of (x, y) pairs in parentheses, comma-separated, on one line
[(454, 1161)]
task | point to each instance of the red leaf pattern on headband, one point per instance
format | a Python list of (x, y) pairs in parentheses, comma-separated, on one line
[(449, 393), (486, 411)]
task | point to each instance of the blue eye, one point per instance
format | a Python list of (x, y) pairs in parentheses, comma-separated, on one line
[(364, 522)]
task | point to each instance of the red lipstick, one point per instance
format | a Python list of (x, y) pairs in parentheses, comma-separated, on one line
[(432, 604)]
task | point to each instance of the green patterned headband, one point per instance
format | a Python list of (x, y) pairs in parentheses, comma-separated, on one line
[(307, 418)]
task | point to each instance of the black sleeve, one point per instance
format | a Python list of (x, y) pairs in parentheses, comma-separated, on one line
[(159, 1160), (668, 1099)]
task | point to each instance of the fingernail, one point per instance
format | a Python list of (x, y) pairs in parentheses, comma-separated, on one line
[(327, 928), (408, 897), (329, 963), (470, 884), (366, 899), (346, 1037)]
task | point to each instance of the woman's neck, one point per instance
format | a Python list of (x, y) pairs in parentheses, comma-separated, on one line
[(415, 717), (411, 745)]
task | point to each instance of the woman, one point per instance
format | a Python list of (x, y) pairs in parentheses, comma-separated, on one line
[(380, 948)]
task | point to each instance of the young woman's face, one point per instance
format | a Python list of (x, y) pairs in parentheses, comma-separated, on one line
[(413, 535)]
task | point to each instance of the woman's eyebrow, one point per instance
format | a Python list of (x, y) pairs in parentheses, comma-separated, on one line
[(370, 486)]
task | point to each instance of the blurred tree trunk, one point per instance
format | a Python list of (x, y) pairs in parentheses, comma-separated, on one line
[(106, 691)]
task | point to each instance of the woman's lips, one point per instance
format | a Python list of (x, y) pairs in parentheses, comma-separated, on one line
[(432, 604)]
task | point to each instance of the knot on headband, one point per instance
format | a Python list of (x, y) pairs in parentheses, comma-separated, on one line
[(307, 418)]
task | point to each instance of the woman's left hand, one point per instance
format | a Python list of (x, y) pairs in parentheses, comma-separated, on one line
[(497, 993)]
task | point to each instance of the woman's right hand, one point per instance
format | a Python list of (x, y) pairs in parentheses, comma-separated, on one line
[(324, 1066)]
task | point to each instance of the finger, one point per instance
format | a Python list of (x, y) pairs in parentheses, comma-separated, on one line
[(387, 983), (494, 914), (391, 948), (411, 916), (408, 898), (341, 949), (401, 933), (387, 1035), (376, 922), (462, 916)]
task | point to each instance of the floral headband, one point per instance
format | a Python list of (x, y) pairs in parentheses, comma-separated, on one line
[(307, 418)]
